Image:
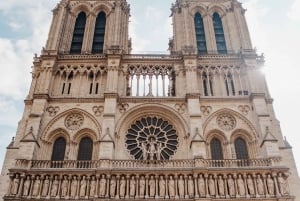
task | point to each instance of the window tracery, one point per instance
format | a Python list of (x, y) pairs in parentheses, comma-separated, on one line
[(151, 138)]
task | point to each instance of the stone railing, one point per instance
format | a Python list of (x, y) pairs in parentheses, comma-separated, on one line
[(170, 185), (133, 164)]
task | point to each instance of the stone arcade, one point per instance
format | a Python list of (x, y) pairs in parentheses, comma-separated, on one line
[(101, 123)]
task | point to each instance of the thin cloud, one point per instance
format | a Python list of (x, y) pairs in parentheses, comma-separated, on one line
[(294, 12)]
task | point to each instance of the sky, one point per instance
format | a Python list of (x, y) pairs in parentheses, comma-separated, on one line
[(274, 28)]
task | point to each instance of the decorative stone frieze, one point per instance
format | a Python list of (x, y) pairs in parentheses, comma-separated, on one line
[(52, 110)]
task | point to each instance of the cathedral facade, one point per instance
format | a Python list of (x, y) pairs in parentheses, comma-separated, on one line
[(101, 123)]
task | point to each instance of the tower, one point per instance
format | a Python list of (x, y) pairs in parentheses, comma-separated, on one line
[(103, 124)]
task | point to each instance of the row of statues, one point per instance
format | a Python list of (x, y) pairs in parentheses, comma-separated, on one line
[(149, 186)]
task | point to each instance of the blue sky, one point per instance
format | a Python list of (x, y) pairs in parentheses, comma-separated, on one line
[(274, 28)]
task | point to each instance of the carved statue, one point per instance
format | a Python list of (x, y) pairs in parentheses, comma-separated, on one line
[(112, 191), (152, 187), (181, 186), (211, 186), (191, 187), (283, 185), (36, 186), (250, 185), (231, 186), (54, 187), (145, 152), (15, 185), (46, 186), (122, 187), (152, 150), (171, 186), (162, 187), (82, 187), (93, 186), (102, 186), (74, 186), (270, 185), (221, 186), (241, 185), (26, 186), (132, 187), (201, 186), (159, 149), (142, 186), (64, 187), (260, 185)]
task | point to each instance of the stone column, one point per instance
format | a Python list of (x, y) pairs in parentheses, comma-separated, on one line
[(176, 187), (127, 186), (107, 185), (246, 186), (235, 185), (156, 187), (118, 187), (147, 187), (186, 187), (206, 186), (87, 193), (265, 185), (274, 175), (196, 185), (226, 187)]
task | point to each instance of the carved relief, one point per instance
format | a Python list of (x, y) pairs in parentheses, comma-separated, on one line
[(206, 110), (98, 110), (74, 121), (244, 109), (180, 107), (226, 122), (52, 111), (123, 107)]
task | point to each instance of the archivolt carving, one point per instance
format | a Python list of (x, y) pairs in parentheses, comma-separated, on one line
[(87, 116), (236, 115)]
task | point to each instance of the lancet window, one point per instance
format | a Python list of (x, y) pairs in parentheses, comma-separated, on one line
[(241, 149), (216, 149), (151, 80), (59, 148), (78, 34), (200, 34), (99, 34), (219, 34), (229, 83), (94, 84), (67, 83), (207, 80), (85, 151)]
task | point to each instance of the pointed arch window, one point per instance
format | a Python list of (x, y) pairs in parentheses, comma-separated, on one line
[(229, 83), (78, 34), (207, 84), (200, 34), (59, 148), (241, 152), (219, 34), (99, 34), (85, 151), (216, 149)]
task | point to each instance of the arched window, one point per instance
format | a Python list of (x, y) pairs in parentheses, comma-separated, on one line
[(200, 34), (219, 34), (207, 84), (78, 34), (99, 33), (241, 149), (59, 148), (229, 83), (216, 149), (85, 151)]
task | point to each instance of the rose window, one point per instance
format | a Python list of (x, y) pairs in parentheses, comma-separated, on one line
[(151, 138)]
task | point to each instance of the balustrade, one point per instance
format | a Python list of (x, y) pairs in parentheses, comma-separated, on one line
[(175, 185), (102, 164)]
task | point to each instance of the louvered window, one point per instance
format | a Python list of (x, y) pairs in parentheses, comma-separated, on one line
[(78, 34), (219, 34), (99, 34), (200, 34)]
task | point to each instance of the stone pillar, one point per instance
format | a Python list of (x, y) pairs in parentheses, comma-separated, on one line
[(196, 185)]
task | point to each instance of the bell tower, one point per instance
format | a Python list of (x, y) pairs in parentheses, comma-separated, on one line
[(204, 26), (89, 27)]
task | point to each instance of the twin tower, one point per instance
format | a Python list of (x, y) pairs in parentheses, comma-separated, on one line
[(101, 123)]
